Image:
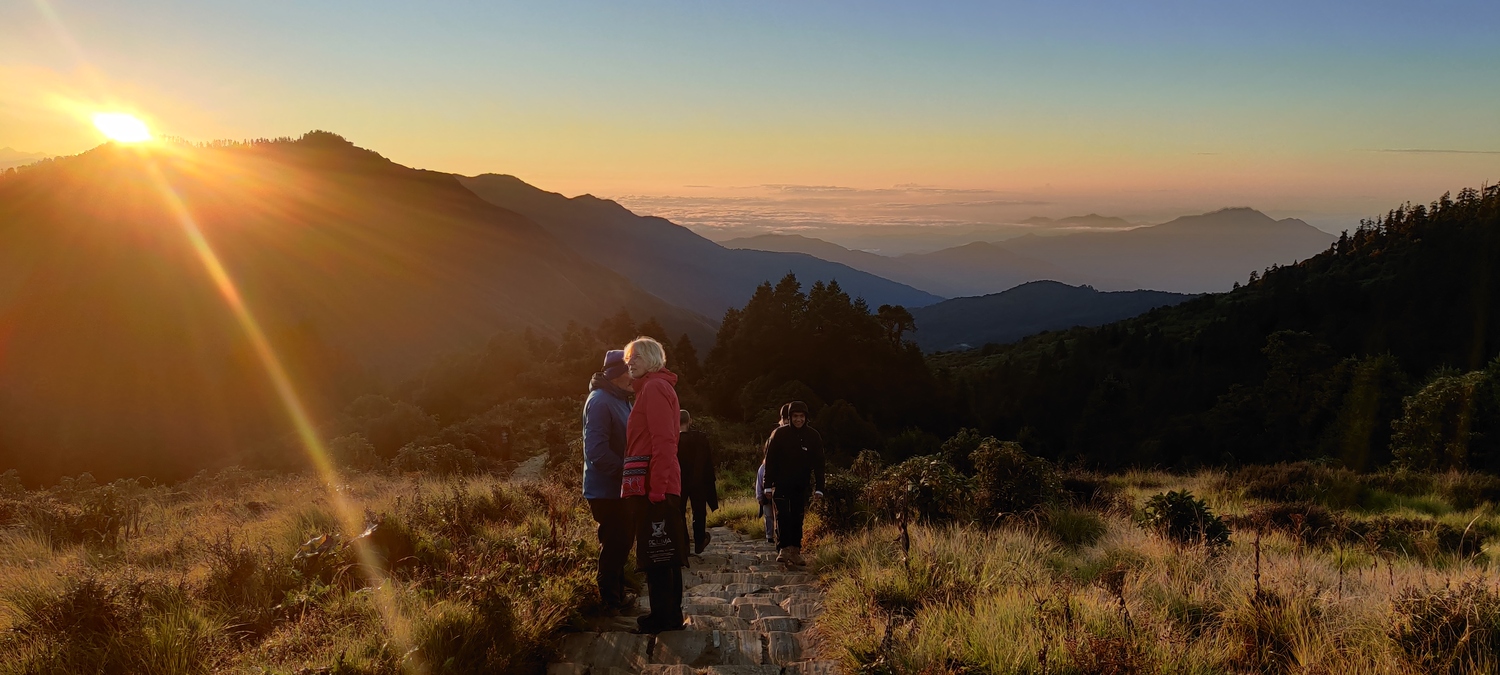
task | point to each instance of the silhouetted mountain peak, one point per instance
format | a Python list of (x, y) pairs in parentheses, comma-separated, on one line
[(1235, 217)]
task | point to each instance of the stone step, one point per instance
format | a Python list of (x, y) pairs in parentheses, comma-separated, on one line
[(783, 647), (606, 650), (717, 609), (777, 624), (709, 648), (814, 667), (709, 622), (802, 607), (753, 612)]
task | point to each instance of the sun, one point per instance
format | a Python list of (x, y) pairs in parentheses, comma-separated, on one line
[(122, 127)]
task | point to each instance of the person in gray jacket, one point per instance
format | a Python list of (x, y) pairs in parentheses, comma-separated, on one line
[(604, 415)]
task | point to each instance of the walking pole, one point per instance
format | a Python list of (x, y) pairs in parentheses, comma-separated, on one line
[(775, 522)]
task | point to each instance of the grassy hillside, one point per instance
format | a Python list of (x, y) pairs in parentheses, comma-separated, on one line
[(252, 573), (1283, 569)]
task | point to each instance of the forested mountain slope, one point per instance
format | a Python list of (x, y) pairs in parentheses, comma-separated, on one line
[(1312, 360), (1025, 310)]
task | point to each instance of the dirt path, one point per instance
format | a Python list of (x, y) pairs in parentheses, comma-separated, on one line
[(746, 615)]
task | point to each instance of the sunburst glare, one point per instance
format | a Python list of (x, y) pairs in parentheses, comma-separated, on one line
[(122, 127)]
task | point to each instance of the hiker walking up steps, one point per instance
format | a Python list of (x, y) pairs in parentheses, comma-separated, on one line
[(762, 497), (604, 416), (794, 474), (699, 485), (652, 483)]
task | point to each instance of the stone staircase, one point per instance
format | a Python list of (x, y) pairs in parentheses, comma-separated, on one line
[(746, 615)]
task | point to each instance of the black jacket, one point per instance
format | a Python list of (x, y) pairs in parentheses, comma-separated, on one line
[(697, 460), (794, 459)]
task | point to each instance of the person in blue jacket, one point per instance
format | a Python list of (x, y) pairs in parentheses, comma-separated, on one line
[(604, 416)]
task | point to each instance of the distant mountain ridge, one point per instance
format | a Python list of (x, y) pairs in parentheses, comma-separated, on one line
[(1191, 254), (10, 157), (1028, 309), (674, 262), (1092, 220), (978, 268)]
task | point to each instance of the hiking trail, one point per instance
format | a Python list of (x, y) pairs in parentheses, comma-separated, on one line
[(746, 615)]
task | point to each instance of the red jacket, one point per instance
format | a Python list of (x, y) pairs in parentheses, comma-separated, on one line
[(651, 467)]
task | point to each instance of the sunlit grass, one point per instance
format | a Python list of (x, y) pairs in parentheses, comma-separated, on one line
[(487, 570), (1025, 598)]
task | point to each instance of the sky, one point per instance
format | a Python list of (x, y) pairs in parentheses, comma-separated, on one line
[(813, 117)]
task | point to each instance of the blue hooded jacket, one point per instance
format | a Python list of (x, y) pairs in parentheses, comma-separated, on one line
[(604, 416)]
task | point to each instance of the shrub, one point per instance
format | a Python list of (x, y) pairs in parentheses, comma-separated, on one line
[(959, 450), (354, 451), (1421, 537), (1012, 481), (1185, 519), (443, 459), (1298, 482), (102, 516), (926, 488), (249, 583), (1308, 523), (1073, 527), (94, 624), (1435, 429), (1090, 490), (842, 507), (1449, 630), (1469, 490)]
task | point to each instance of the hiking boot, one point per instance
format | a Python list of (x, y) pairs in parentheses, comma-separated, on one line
[(701, 544), (783, 556), (793, 555)]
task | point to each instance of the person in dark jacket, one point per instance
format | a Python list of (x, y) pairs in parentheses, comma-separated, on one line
[(605, 414), (767, 507), (699, 486), (794, 474)]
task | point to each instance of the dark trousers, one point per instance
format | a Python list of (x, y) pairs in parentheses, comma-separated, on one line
[(700, 519), (665, 583), (791, 505), (615, 538)]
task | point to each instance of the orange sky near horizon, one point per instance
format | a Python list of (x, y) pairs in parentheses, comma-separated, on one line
[(1145, 125)]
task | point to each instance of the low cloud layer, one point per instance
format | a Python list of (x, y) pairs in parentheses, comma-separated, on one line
[(898, 219)]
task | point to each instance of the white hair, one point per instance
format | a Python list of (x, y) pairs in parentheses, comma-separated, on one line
[(653, 357)]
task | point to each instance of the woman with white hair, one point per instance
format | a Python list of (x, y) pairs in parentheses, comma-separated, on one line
[(652, 483)]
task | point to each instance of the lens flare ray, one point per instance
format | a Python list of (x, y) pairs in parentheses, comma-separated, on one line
[(350, 519)]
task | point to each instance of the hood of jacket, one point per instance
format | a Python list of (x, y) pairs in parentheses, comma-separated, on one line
[(599, 381), (663, 374)]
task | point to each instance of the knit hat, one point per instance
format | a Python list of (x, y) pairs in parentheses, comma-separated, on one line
[(614, 363), (684, 417), (795, 407)]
